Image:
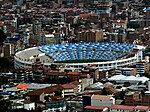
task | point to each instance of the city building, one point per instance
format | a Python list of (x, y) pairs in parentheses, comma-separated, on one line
[(100, 100), (90, 36), (142, 68)]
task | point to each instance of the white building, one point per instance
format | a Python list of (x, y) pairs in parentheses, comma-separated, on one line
[(102, 100), (29, 106), (24, 105), (131, 79)]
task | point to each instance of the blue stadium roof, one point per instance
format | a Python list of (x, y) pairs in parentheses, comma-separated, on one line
[(91, 50)]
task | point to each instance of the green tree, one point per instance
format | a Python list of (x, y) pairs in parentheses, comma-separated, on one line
[(104, 91), (4, 62), (2, 37), (3, 80), (122, 95), (5, 105)]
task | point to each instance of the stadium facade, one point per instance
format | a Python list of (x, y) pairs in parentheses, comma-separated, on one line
[(114, 55)]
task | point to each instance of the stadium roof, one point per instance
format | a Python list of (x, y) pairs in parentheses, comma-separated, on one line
[(84, 51)]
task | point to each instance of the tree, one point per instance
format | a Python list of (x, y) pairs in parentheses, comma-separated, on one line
[(3, 80), (21, 110), (39, 109), (122, 94), (64, 2), (5, 105), (4, 62), (2, 37), (104, 91)]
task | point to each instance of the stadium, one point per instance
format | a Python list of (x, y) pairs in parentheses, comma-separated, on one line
[(106, 55)]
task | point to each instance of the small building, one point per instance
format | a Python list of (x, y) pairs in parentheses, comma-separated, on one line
[(86, 82), (39, 94), (8, 50), (142, 67), (102, 100), (146, 98), (70, 89), (35, 96), (74, 76), (55, 76), (17, 106), (29, 105), (75, 103), (142, 109), (24, 105), (131, 98), (126, 108), (56, 104)]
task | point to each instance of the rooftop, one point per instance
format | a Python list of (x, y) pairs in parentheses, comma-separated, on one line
[(69, 86), (123, 107), (142, 108), (101, 97), (95, 107)]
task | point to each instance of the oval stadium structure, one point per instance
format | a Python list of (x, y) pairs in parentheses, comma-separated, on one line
[(113, 54)]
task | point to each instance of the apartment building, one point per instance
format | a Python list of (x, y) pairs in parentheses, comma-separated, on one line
[(90, 36), (142, 67)]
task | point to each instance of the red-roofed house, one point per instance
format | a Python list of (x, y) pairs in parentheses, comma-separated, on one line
[(95, 109), (70, 89), (74, 76), (22, 86), (142, 108), (126, 108), (121, 108), (39, 94)]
